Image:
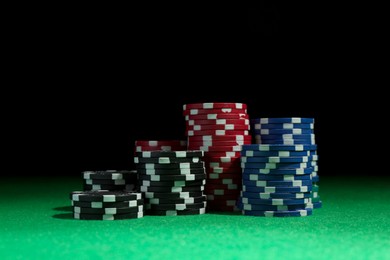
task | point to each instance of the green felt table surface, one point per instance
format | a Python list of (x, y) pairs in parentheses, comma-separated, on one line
[(354, 223)]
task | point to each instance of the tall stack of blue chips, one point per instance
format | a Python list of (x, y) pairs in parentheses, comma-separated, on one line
[(278, 171)]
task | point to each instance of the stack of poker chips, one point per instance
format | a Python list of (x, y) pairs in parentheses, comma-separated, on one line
[(289, 131), (172, 182), (110, 180), (107, 205), (277, 180), (219, 129), (160, 145)]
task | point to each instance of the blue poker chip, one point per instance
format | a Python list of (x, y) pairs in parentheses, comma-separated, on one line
[(276, 189), (295, 213), (275, 202), (267, 195), (274, 177), (247, 206), (295, 120), (278, 166), (301, 171), (277, 147), (317, 205), (288, 137), (288, 142), (250, 153), (283, 126), (316, 178), (274, 172), (295, 131), (276, 159), (268, 183)]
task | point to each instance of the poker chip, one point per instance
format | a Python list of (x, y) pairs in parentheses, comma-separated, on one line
[(217, 132), (218, 122), (171, 154), (294, 213), (176, 212), (196, 111), (189, 171), (173, 178), (166, 160), (160, 145), (217, 127), (220, 133), (293, 120), (275, 131), (177, 201), (170, 165), (106, 205), (214, 105), (104, 196), (282, 126), (134, 215), (172, 182), (99, 204), (217, 116)]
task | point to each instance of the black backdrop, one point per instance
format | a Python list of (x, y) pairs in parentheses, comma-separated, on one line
[(111, 78)]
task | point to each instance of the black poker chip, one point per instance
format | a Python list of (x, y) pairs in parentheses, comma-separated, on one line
[(134, 215), (99, 204), (173, 183), (112, 211), (177, 201), (167, 160), (108, 187), (171, 189), (170, 166), (176, 212), (176, 206), (171, 171), (171, 178), (172, 195), (104, 196), (171, 154), (110, 175)]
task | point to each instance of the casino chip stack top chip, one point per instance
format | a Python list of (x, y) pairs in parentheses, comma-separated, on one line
[(107, 205), (160, 145), (219, 129), (277, 179), (289, 131), (110, 180), (172, 182)]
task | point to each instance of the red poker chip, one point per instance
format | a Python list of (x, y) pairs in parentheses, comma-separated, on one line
[(219, 143), (218, 122), (195, 111), (213, 208), (235, 187), (217, 132), (213, 105), (217, 116), (236, 148), (213, 138), (217, 127)]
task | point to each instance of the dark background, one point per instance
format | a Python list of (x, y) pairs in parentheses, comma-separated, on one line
[(113, 76)]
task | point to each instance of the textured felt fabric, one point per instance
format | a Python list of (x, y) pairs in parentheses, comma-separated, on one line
[(354, 223)]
